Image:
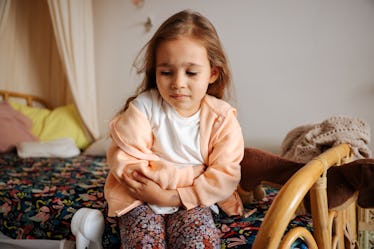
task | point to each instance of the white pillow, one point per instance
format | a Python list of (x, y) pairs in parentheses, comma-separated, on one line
[(62, 147), (99, 147)]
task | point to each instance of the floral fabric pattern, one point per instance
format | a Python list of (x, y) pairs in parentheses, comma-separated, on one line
[(185, 229), (39, 196), (240, 232)]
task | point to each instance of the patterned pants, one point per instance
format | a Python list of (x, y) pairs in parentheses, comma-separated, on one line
[(194, 228)]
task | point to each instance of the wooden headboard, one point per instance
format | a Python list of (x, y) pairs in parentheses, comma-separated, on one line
[(28, 98)]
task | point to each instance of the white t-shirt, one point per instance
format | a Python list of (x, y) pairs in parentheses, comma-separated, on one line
[(177, 138)]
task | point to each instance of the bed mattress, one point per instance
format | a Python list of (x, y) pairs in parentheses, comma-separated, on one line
[(39, 196)]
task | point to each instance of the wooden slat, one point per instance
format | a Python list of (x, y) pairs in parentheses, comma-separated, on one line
[(29, 99), (296, 233)]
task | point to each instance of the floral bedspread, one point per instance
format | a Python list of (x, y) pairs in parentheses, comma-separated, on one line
[(39, 196), (240, 232)]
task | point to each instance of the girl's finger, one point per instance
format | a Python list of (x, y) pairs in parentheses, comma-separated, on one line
[(139, 177), (130, 182)]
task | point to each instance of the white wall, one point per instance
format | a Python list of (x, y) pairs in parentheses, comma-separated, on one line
[(294, 62)]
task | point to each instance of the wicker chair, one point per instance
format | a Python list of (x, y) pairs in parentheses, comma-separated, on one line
[(330, 226)]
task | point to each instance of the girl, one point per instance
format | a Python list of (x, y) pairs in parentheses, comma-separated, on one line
[(176, 145)]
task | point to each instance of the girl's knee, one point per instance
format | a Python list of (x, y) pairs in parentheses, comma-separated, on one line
[(141, 228), (193, 229)]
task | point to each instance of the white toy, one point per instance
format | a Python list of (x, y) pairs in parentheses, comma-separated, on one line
[(88, 226)]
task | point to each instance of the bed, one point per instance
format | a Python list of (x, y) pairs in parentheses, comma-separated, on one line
[(39, 196)]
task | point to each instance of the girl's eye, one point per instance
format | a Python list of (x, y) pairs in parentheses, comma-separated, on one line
[(166, 73), (191, 73)]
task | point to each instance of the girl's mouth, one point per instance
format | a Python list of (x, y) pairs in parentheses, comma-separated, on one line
[(178, 96)]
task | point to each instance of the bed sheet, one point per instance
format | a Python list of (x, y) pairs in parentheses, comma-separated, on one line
[(39, 196), (240, 232)]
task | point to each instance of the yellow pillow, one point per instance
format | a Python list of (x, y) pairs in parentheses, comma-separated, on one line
[(37, 116), (64, 122), (61, 122)]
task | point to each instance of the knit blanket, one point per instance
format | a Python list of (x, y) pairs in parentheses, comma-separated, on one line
[(305, 142)]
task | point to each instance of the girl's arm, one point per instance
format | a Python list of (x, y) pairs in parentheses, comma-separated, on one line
[(131, 142), (131, 151), (221, 178), (146, 190), (169, 176)]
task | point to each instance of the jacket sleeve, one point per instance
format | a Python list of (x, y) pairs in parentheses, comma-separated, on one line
[(132, 142), (222, 176), (168, 175)]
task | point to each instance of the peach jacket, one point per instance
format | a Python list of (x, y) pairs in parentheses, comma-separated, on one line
[(222, 148)]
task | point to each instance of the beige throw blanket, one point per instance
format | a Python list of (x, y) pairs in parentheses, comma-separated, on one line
[(305, 142)]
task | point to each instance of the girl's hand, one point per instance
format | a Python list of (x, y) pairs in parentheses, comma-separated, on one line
[(141, 188), (146, 190)]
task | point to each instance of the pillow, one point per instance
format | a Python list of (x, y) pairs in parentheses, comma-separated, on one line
[(99, 147), (14, 128), (37, 116), (62, 147), (61, 122)]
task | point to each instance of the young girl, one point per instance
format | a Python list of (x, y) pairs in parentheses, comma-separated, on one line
[(176, 145)]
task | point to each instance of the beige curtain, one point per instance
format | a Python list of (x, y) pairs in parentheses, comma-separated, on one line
[(4, 11), (29, 60), (73, 27)]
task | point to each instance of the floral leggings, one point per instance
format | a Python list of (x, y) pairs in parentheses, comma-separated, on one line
[(194, 228)]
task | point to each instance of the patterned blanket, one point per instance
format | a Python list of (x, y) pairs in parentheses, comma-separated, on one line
[(39, 196)]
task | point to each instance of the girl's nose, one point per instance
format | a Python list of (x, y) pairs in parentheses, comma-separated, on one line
[(179, 81)]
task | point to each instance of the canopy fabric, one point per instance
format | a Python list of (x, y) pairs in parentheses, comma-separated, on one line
[(73, 28), (4, 11)]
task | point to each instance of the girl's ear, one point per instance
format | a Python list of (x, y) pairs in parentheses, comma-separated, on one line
[(214, 74)]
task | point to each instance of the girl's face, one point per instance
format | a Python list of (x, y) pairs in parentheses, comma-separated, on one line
[(183, 74)]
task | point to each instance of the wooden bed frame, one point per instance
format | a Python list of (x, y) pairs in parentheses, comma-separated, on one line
[(30, 100), (330, 227)]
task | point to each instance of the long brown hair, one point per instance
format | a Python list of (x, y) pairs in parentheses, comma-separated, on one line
[(191, 23)]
